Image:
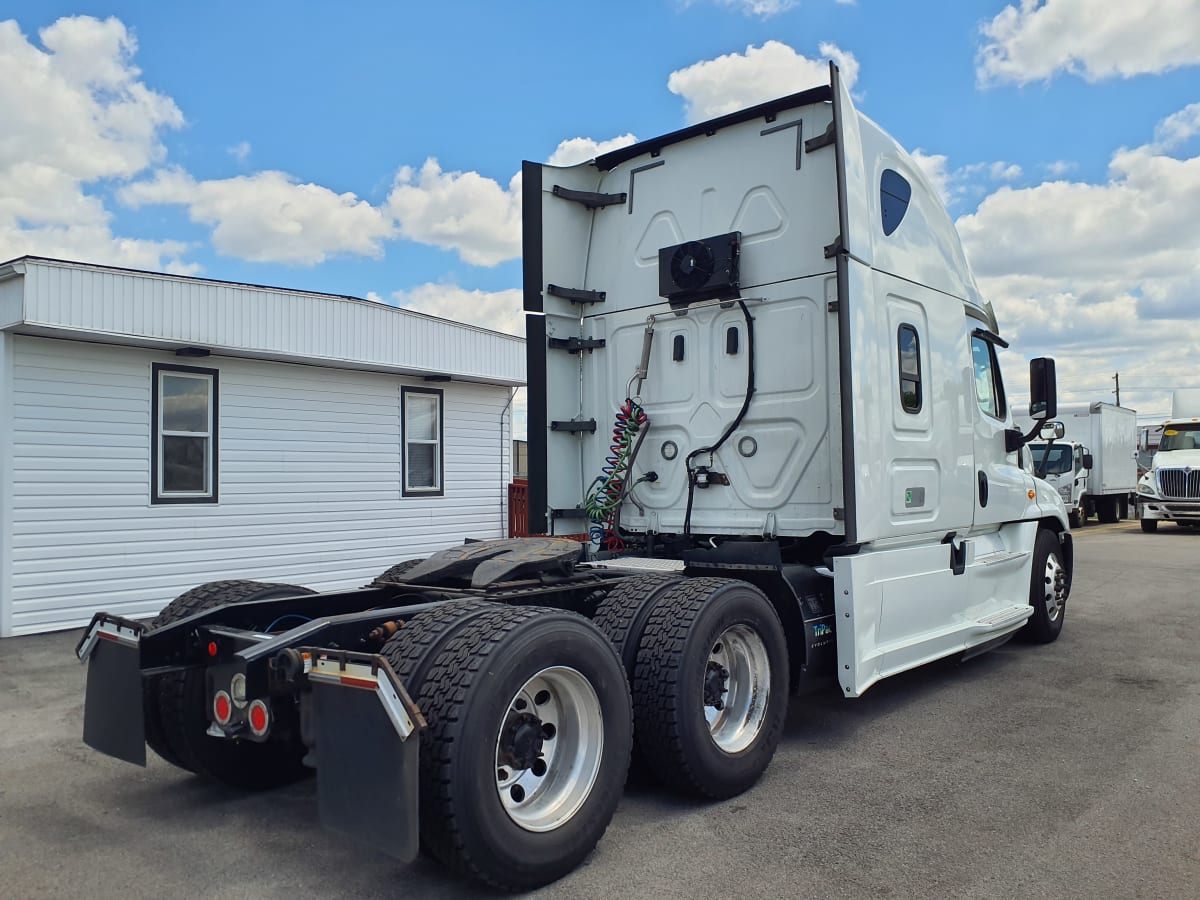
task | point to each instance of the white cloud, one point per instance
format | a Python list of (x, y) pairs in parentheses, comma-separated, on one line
[(955, 184), (582, 149), (76, 116), (269, 217), (461, 211), (1060, 167), (1106, 277), (240, 151), (1091, 39), (763, 9), (734, 81), (934, 165), (1178, 128), (497, 310)]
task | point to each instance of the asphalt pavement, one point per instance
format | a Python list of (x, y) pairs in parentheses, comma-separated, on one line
[(1068, 770)]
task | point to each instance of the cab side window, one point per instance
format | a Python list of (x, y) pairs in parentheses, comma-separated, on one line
[(989, 390), (909, 352)]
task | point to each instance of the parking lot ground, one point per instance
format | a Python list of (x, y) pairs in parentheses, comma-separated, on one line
[(1068, 770)]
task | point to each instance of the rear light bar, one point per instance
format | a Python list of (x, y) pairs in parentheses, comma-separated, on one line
[(366, 672), (106, 627)]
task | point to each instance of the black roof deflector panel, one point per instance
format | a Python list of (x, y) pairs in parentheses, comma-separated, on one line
[(771, 108)]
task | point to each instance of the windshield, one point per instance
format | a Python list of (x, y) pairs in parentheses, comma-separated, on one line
[(1059, 462), (1180, 437)]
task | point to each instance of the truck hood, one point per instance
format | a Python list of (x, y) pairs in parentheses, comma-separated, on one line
[(1176, 459)]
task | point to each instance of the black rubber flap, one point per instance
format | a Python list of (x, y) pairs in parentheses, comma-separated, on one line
[(112, 709), (366, 775), (487, 562)]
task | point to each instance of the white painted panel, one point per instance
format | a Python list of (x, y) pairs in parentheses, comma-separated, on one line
[(248, 320), (309, 481), (6, 444)]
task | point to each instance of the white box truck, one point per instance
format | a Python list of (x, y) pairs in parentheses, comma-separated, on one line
[(1094, 465), (1170, 491), (813, 472)]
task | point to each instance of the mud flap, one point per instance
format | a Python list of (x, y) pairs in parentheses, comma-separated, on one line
[(365, 738), (112, 710)]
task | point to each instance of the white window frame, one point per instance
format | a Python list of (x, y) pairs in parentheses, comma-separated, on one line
[(407, 489), (158, 494)]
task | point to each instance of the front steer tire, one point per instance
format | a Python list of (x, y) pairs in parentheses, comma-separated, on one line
[(175, 705), (1149, 526), (1049, 586), (698, 629), (480, 721)]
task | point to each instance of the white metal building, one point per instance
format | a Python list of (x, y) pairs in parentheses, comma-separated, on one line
[(157, 432)]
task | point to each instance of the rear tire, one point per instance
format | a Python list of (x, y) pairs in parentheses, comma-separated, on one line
[(1049, 587), (389, 576), (177, 711), (622, 614), (1107, 510), (711, 686), (504, 798), (411, 651), (1149, 525)]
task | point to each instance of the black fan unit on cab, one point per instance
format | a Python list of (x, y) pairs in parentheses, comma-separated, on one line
[(706, 269)]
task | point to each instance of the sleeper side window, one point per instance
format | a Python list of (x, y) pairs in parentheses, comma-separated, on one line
[(894, 194), (909, 351)]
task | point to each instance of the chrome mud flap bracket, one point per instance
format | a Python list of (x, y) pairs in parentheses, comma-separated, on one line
[(365, 733), (112, 708)]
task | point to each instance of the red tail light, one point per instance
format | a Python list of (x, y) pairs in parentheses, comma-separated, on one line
[(260, 718), (222, 708)]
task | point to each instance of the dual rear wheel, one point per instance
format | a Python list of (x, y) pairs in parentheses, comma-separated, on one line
[(708, 666), (529, 733)]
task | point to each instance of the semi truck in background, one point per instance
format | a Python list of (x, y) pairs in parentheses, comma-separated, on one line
[(1094, 466), (812, 472), (1170, 490)]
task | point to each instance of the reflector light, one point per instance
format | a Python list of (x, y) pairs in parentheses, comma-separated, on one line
[(222, 708), (259, 717), (212, 648)]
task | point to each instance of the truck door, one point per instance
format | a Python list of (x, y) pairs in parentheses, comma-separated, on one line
[(1001, 486), (1080, 483)]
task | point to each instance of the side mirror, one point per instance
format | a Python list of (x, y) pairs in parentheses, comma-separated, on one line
[(1043, 389), (1087, 461), (1052, 431)]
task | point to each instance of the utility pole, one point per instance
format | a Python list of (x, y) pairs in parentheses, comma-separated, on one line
[(1117, 379)]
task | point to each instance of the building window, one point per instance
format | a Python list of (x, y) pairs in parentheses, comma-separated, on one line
[(909, 347), (184, 460), (989, 389), (422, 413)]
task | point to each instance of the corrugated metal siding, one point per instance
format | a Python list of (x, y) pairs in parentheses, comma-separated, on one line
[(258, 320), (309, 481)]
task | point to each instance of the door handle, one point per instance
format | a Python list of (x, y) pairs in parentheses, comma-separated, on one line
[(983, 488)]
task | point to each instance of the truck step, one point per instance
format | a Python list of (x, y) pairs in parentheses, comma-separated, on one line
[(1000, 557), (1003, 618)]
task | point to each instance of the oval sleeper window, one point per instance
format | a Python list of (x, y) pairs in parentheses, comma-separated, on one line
[(894, 194)]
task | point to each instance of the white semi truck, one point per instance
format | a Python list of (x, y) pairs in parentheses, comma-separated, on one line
[(1094, 465), (1170, 491), (813, 473)]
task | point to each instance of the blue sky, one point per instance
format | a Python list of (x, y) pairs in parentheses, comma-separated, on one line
[(372, 148)]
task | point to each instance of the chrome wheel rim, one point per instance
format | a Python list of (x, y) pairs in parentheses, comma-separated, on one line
[(548, 749), (1055, 589), (736, 685)]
